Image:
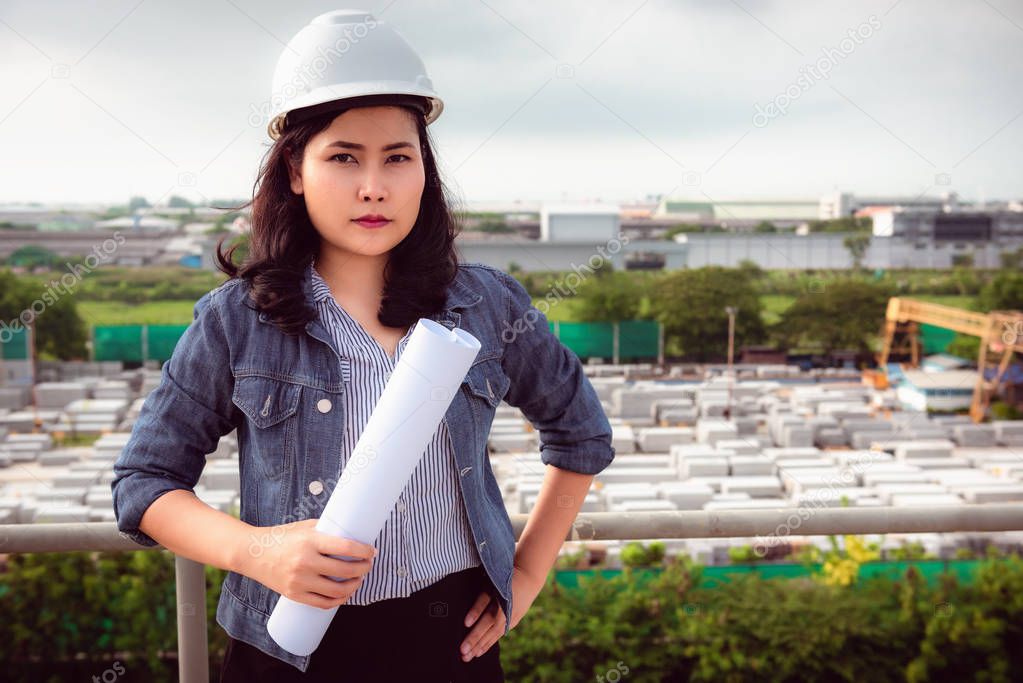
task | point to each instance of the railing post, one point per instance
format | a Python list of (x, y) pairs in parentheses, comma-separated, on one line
[(193, 649)]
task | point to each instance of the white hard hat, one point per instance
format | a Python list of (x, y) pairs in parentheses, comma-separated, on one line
[(347, 58)]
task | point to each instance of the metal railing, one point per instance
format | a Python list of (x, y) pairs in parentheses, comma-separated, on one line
[(193, 652)]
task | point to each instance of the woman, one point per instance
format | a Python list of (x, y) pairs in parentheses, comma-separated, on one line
[(351, 243)]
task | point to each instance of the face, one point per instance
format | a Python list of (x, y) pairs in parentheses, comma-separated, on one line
[(367, 162)]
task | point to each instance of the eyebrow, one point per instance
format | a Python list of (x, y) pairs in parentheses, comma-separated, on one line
[(344, 144)]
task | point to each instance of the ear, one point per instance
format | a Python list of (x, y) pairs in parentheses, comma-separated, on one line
[(294, 174)]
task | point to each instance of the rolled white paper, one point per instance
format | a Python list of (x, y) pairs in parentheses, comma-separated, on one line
[(412, 405)]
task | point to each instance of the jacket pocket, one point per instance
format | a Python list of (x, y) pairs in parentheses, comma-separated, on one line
[(487, 382), (270, 405)]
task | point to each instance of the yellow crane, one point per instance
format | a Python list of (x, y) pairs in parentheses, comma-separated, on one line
[(1000, 334)]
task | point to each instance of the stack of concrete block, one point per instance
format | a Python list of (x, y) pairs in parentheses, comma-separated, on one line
[(999, 493), (113, 389), (800, 480), (750, 504), (221, 475), (623, 437), (746, 426), (661, 439), (56, 395), (90, 416), (712, 430), (739, 446), (715, 466), (754, 486), (655, 505), (24, 448), (619, 493), (832, 497), (925, 499), (21, 421), (505, 443), (14, 398), (861, 433), (887, 491), (637, 401), (778, 421), (750, 465), (893, 473), (621, 475), (910, 451), (680, 453), (686, 495), (1009, 433), (974, 435), (796, 436)]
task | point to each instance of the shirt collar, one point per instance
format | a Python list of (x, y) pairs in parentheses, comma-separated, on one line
[(459, 294)]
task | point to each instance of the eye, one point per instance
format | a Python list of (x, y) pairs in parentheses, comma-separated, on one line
[(402, 156), (342, 154)]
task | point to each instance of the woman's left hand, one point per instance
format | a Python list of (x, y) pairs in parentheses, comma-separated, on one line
[(489, 619)]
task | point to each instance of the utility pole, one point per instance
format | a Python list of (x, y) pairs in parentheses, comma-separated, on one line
[(731, 311)]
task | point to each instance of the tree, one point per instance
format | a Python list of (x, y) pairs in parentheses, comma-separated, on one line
[(844, 224), (1012, 259), (690, 304), (32, 255), (1004, 292), (847, 314), (137, 203), (608, 297), (765, 226), (857, 245), (60, 331)]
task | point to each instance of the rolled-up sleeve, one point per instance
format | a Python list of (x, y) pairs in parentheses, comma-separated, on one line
[(551, 389), (180, 422)]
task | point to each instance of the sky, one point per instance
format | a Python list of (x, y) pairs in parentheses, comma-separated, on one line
[(563, 100)]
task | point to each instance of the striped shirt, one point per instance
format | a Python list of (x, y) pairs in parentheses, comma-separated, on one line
[(427, 535)]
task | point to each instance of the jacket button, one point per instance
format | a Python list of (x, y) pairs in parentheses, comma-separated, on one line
[(323, 405), (483, 544), (316, 487), (465, 470)]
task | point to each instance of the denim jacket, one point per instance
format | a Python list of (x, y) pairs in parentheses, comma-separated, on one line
[(231, 358)]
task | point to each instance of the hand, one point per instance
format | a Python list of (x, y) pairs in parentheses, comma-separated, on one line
[(293, 560), (489, 619)]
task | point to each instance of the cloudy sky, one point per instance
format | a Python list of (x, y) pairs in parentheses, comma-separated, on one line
[(543, 100)]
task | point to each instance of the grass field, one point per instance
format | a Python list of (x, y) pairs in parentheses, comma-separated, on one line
[(180, 312), (100, 313)]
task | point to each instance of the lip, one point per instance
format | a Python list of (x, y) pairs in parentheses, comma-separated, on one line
[(372, 221)]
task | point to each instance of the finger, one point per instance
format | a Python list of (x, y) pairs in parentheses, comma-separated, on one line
[(318, 600), (347, 547), (490, 637), (483, 625), (331, 566), (329, 588), (477, 608)]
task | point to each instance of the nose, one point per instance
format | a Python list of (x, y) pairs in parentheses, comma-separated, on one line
[(371, 188)]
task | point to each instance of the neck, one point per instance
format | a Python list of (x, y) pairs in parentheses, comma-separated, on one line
[(352, 276)]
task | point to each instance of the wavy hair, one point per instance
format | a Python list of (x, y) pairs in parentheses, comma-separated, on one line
[(283, 242)]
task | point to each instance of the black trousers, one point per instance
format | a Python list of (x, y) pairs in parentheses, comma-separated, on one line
[(414, 638)]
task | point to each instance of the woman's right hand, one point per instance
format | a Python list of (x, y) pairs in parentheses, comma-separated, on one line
[(292, 559)]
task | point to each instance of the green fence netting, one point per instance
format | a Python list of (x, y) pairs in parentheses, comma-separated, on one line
[(14, 344)]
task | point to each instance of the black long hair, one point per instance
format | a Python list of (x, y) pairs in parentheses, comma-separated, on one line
[(283, 241)]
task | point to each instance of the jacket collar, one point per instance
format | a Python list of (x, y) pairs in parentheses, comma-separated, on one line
[(459, 295)]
